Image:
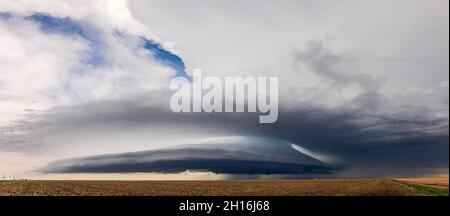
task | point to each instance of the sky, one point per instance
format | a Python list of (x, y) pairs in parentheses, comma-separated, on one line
[(363, 88)]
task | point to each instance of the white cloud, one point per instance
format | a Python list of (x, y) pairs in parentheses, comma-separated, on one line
[(253, 37), (393, 45), (40, 70), (33, 65), (110, 14)]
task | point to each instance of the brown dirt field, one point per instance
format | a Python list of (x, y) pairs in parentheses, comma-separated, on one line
[(208, 188), (435, 182)]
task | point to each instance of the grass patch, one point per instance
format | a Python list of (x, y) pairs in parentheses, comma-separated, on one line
[(427, 190)]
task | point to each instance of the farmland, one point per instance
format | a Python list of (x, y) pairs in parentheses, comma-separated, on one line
[(405, 187)]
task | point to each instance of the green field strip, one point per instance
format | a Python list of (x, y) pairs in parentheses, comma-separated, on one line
[(427, 190)]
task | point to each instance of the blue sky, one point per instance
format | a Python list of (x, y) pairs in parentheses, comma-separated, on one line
[(68, 27)]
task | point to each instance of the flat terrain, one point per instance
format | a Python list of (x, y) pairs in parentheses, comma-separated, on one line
[(439, 183), (217, 188)]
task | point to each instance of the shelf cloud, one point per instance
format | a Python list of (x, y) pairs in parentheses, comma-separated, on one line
[(237, 155)]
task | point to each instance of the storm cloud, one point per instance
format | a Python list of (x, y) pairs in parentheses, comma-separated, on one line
[(361, 95), (346, 138), (235, 155)]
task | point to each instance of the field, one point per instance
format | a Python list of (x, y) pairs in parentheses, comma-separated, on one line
[(438, 183), (387, 187)]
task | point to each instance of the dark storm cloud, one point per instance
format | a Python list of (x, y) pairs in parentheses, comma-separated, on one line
[(404, 139), (222, 166), (249, 158), (356, 138)]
